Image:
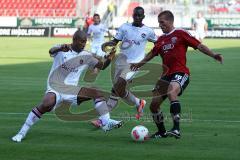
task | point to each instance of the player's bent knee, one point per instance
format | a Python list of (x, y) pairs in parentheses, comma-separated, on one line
[(172, 96), (121, 93), (48, 108), (48, 102), (120, 88), (48, 105), (44, 107)]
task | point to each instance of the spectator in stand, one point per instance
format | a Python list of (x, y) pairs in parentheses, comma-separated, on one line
[(88, 21)]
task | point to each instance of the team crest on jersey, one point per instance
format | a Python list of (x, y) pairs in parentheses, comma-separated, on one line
[(143, 35), (80, 61), (174, 40)]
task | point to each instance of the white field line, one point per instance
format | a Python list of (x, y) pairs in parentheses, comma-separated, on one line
[(131, 118)]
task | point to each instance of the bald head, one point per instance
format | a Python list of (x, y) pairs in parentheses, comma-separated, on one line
[(79, 34), (79, 40)]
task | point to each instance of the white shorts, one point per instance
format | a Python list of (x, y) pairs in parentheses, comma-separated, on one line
[(200, 35), (97, 50), (62, 97), (122, 69)]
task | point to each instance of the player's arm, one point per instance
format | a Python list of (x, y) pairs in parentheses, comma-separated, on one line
[(111, 44), (136, 66), (204, 49), (64, 48), (89, 34), (103, 64)]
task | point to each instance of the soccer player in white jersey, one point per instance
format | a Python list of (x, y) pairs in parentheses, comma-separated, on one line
[(200, 27), (96, 32), (134, 37), (70, 60)]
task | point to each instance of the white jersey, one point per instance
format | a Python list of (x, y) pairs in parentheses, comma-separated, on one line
[(200, 24), (68, 67), (134, 41), (98, 32)]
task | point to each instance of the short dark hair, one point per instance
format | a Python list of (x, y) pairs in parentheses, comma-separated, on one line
[(168, 15), (96, 15), (138, 8)]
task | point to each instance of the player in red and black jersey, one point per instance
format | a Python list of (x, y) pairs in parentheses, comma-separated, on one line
[(172, 47)]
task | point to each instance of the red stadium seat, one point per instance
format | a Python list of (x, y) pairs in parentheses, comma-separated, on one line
[(2, 12), (38, 8)]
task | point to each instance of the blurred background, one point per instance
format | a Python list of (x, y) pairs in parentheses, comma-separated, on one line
[(63, 17)]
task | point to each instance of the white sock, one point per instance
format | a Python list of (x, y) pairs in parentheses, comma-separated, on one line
[(112, 102), (32, 118), (131, 99), (105, 118), (102, 109)]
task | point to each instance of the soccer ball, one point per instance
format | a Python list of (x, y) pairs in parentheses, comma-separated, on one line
[(139, 133)]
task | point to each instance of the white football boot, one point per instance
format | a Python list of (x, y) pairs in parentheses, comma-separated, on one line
[(18, 137), (111, 125)]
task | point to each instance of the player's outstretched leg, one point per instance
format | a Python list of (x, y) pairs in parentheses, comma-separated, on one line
[(131, 99), (36, 113), (104, 122)]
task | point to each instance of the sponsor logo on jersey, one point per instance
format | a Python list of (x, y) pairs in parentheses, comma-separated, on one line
[(70, 69), (81, 61), (168, 47), (130, 42), (174, 40), (143, 35)]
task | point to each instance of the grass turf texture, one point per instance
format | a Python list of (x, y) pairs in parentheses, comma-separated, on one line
[(210, 106)]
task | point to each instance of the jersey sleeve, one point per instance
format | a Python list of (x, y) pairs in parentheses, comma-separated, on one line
[(105, 28), (54, 55), (190, 40), (120, 33), (152, 36), (156, 49), (92, 62), (89, 30)]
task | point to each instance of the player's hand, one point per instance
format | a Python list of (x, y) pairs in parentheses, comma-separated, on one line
[(65, 47), (218, 57), (135, 66), (106, 47), (112, 54)]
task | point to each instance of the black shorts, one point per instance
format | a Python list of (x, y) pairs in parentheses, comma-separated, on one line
[(179, 77)]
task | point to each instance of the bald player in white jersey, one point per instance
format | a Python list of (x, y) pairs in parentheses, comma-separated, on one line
[(96, 32), (134, 37), (62, 86)]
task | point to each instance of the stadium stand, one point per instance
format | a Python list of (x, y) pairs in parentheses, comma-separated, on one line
[(38, 8), (131, 6)]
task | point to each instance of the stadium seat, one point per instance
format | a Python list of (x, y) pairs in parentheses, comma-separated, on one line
[(38, 8)]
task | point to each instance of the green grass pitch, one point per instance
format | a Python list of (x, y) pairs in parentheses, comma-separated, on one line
[(210, 107)]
